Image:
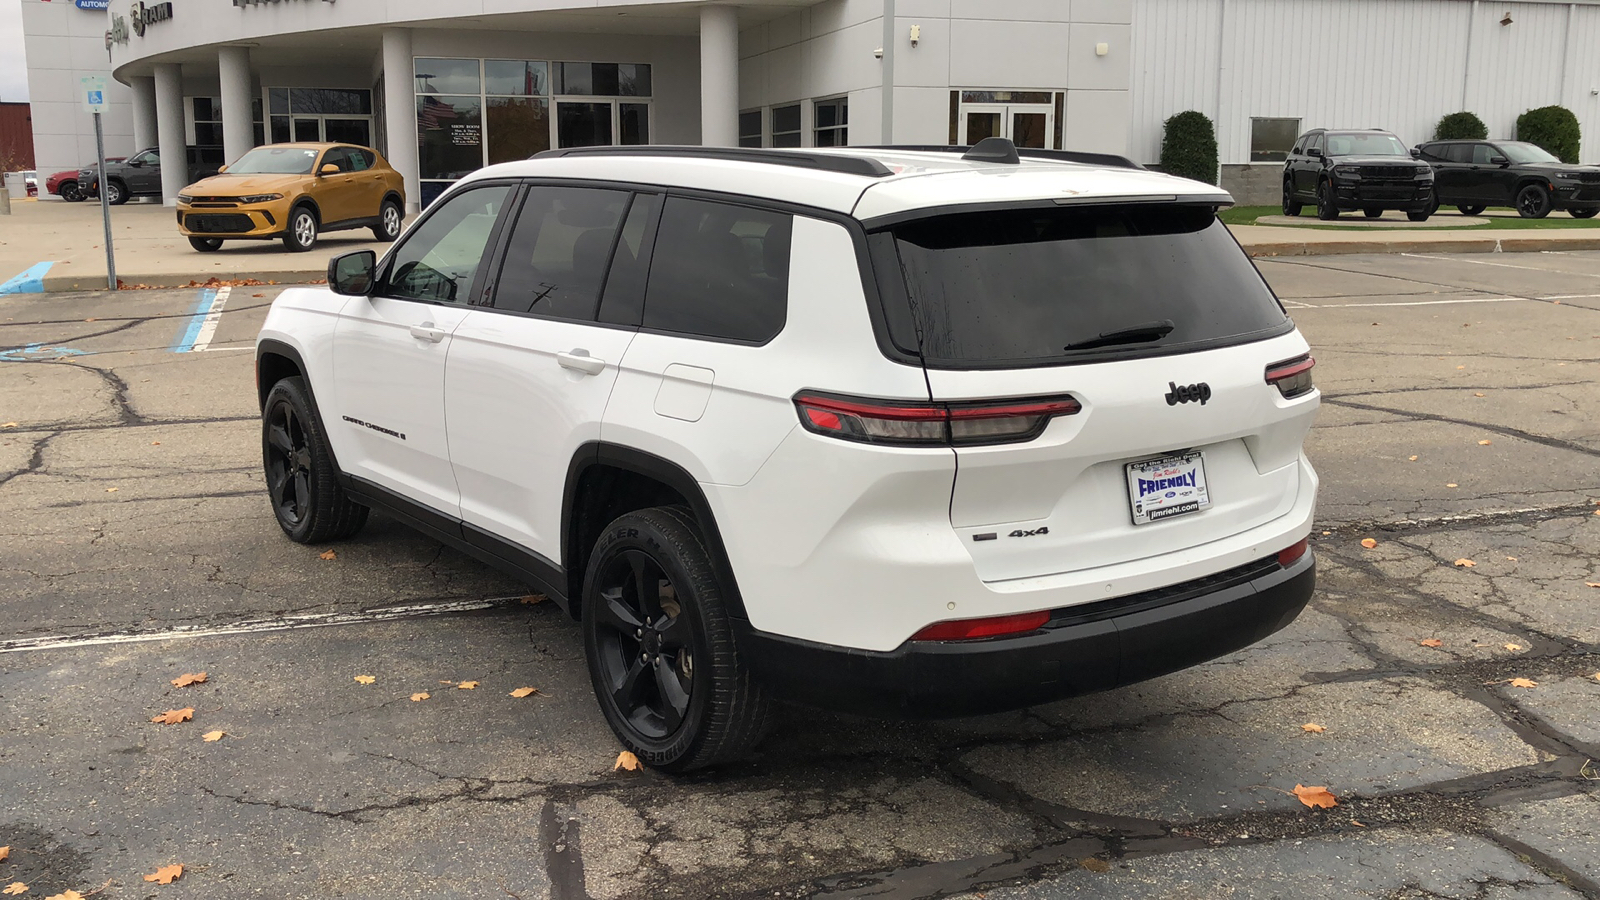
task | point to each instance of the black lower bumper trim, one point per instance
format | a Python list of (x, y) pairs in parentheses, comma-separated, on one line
[(1071, 656)]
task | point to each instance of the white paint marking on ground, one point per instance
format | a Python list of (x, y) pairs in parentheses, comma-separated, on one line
[(1484, 262), (208, 326), (1422, 302), (225, 349), (252, 626), (1571, 297), (1297, 304)]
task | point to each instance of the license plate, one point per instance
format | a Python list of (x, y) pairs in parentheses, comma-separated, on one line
[(1166, 487)]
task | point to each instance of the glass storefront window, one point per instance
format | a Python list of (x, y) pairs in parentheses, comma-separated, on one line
[(447, 76), (519, 127), (449, 136), (584, 124), (750, 128), (330, 101), (635, 119), (279, 99), (786, 126), (603, 79), (517, 77)]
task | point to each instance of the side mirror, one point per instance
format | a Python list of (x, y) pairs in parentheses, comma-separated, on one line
[(221, 169), (136, 164), (328, 169), (1416, 153), (1499, 161), (352, 273), (1314, 153)]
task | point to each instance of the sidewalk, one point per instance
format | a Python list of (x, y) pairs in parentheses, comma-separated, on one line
[(56, 246)]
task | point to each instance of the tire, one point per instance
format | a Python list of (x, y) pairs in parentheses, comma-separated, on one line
[(1291, 206), (1372, 212), (1418, 215), (389, 220), (1471, 210), (301, 233), (302, 481), (1326, 209), (70, 193), (1586, 212), (639, 670), (206, 245), (1533, 202), (116, 194)]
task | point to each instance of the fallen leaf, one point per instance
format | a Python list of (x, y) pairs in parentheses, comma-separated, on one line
[(1431, 642), (1485, 443), (1512, 558), (112, 490), (1513, 647), (521, 692), (1312, 727), (626, 760), (258, 295), (189, 678), (211, 737), (1465, 563), (327, 554), (467, 686), (1095, 864), (155, 443), (1452, 484), (166, 874), (1319, 797), (65, 895), (1368, 543), (1524, 683), (9, 425), (4, 852), (1597, 676), (1478, 394), (420, 696), (174, 716), (15, 887), (1357, 823), (1591, 584), (531, 599), (1412, 458), (1461, 367), (365, 679)]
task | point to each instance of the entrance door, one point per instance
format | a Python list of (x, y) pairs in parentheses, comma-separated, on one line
[(1024, 124)]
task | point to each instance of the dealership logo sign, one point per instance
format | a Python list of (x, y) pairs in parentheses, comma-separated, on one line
[(146, 14), (93, 4), (244, 3)]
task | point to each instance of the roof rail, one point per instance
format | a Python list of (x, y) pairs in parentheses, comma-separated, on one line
[(826, 162), (1075, 156)]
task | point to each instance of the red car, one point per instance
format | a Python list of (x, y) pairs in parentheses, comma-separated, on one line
[(65, 184)]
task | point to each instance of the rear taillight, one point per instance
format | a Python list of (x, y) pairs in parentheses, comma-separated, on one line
[(1289, 555), (1291, 377), (972, 629), (930, 424)]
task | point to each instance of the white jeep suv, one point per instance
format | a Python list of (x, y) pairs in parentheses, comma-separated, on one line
[(908, 431)]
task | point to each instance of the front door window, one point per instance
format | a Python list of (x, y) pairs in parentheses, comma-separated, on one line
[(440, 257)]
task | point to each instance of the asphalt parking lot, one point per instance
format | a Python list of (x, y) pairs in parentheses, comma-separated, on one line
[(1460, 432)]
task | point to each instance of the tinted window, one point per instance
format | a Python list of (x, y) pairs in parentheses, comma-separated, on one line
[(360, 160), (1458, 153), (441, 254), (1314, 142), (719, 271), (623, 301), (1019, 286), (1519, 152), (1365, 143), (556, 259)]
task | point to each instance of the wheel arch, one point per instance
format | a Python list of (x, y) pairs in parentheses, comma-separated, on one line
[(395, 196), (306, 201), (275, 361), (608, 480)]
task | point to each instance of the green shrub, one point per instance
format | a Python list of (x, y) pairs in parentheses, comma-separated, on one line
[(1554, 128), (1189, 147), (1461, 126)]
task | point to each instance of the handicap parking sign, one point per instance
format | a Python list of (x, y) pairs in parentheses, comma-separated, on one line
[(92, 88)]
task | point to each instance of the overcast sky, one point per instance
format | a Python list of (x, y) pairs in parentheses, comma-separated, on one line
[(13, 68)]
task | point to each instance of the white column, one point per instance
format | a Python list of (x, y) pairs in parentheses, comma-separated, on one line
[(169, 131), (144, 111), (719, 76), (238, 126), (400, 111)]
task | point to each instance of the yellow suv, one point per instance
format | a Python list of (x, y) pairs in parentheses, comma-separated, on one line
[(293, 192)]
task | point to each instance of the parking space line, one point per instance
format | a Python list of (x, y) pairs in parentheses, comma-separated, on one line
[(1484, 262), (1422, 302), (203, 320)]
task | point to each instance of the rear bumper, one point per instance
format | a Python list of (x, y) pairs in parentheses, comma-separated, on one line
[(1082, 649)]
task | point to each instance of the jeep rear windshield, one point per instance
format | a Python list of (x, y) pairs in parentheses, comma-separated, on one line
[(1041, 286)]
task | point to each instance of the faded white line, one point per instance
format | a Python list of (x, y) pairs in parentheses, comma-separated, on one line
[(208, 326), (253, 626), (1422, 302), (1570, 297), (1484, 262)]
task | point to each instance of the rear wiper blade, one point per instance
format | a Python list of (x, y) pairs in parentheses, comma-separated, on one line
[(1149, 331)]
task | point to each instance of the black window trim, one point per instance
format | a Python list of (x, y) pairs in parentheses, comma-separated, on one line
[(491, 247)]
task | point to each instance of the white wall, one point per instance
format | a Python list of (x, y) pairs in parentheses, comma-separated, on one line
[(1394, 64), (63, 43)]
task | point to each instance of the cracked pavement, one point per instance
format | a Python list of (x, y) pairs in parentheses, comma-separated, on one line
[(131, 506)]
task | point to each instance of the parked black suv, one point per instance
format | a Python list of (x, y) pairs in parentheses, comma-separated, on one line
[(1366, 170), (1474, 175)]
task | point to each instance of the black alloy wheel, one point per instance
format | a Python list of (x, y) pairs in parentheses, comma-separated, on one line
[(301, 235), (1533, 202), (1471, 210), (1291, 206), (302, 483), (1372, 212), (389, 219), (206, 245), (1586, 212), (116, 194), (70, 193), (660, 647), (1327, 210)]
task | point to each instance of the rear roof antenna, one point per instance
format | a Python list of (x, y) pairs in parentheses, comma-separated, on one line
[(994, 150)]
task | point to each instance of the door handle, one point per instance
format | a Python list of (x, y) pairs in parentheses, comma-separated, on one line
[(580, 360), (427, 332)]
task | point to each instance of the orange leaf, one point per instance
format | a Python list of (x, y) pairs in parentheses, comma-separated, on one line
[(365, 679), (420, 696), (1093, 864), (9, 425), (166, 874), (1465, 563), (1452, 484), (174, 716), (467, 686), (1478, 394), (1484, 443), (531, 599), (521, 692), (212, 737), (1319, 797), (1368, 543), (1312, 727), (1524, 683), (189, 678), (65, 895), (15, 887), (1431, 642), (4, 852), (1591, 584), (1357, 823), (1513, 647), (1412, 458), (327, 554), (626, 760)]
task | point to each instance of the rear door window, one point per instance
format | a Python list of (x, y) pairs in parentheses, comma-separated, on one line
[(719, 271), (1044, 286), (555, 262)]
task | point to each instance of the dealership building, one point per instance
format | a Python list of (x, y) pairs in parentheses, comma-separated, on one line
[(443, 88)]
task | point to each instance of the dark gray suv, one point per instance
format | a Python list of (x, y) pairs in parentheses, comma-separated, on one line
[(1368, 170), (140, 174)]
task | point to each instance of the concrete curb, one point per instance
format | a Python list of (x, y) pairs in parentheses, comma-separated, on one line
[(1271, 248), (62, 283)]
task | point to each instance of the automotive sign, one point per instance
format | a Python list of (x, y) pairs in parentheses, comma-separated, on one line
[(93, 4)]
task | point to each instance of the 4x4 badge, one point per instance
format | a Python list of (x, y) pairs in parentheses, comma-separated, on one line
[(1185, 393)]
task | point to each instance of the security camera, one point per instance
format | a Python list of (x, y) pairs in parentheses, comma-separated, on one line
[(878, 53)]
